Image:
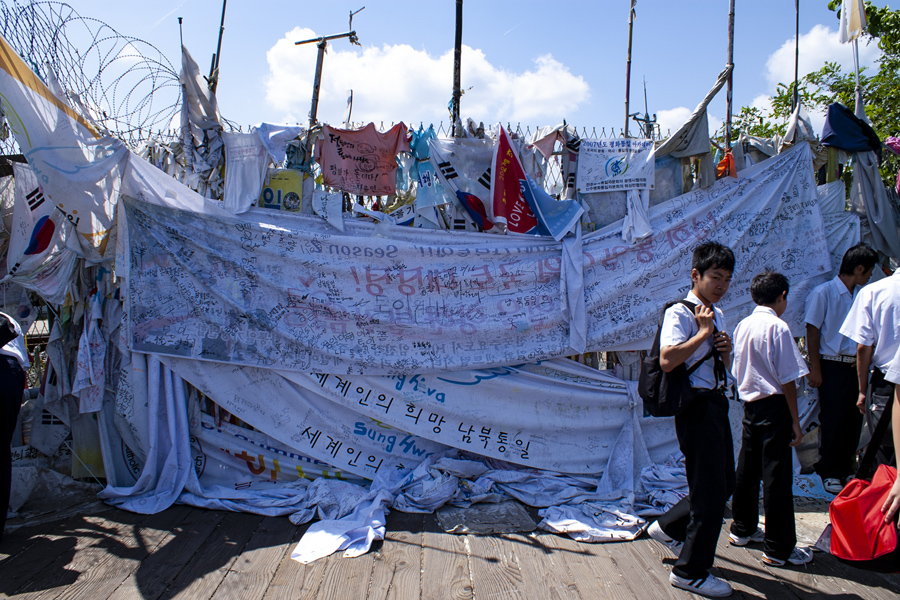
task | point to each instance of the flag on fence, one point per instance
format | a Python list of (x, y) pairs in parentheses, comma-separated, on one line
[(457, 166), (557, 217), (507, 200), (78, 170)]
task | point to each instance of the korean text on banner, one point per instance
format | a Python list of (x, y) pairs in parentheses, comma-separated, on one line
[(608, 165)]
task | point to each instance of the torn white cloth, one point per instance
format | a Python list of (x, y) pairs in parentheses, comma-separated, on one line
[(636, 225), (275, 138), (90, 365), (692, 138), (329, 206), (168, 452), (246, 162), (869, 199)]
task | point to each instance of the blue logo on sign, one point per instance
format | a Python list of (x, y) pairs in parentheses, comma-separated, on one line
[(616, 166)]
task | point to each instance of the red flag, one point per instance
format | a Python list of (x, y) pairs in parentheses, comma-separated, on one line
[(509, 205)]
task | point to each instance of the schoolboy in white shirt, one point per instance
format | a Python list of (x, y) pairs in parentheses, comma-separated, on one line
[(832, 366), (767, 362), (873, 323), (691, 527)]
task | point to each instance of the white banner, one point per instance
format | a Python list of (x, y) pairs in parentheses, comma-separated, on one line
[(559, 416), (615, 165), (230, 456), (286, 291)]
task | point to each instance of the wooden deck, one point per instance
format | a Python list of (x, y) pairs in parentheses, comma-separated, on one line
[(191, 553)]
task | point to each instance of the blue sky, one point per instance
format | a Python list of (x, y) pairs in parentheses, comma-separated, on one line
[(524, 61)]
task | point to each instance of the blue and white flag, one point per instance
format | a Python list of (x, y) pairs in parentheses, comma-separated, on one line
[(557, 216)]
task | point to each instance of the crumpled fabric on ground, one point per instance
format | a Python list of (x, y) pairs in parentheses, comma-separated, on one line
[(665, 483), (592, 523)]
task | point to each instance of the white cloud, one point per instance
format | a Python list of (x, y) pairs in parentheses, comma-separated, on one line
[(670, 120), (399, 83), (763, 102), (817, 47)]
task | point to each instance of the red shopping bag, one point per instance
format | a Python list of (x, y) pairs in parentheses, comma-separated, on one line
[(859, 535), (859, 532)]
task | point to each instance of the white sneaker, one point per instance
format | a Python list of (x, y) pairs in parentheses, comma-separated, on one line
[(656, 532), (833, 485), (710, 585), (758, 537), (799, 556)]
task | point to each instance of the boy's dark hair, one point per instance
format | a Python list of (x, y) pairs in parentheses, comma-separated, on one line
[(767, 287), (858, 255), (712, 255)]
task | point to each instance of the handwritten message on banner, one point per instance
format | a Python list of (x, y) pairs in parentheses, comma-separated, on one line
[(287, 291), (362, 425), (613, 164)]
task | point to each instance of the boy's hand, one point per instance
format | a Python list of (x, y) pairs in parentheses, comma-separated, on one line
[(861, 402), (796, 434), (891, 503), (722, 343), (814, 377), (705, 320)]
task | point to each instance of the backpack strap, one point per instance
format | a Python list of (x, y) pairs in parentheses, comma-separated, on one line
[(719, 371)]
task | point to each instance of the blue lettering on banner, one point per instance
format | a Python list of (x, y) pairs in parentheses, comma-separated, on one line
[(387, 441)]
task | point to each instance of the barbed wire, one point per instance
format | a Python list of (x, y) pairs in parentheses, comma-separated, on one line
[(127, 86), (124, 85)]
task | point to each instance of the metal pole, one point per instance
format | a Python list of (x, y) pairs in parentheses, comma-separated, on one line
[(213, 76), (795, 100), (730, 87), (180, 32), (457, 67), (628, 64), (317, 82)]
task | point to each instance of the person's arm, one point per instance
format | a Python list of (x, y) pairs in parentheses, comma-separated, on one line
[(863, 362), (672, 356), (790, 393), (814, 378), (892, 502)]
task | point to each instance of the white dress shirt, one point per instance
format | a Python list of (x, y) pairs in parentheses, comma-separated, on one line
[(826, 308), (679, 325), (874, 320), (765, 355)]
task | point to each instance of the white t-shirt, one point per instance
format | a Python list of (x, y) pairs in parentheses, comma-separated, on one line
[(874, 320), (826, 307), (765, 355), (679, 325)]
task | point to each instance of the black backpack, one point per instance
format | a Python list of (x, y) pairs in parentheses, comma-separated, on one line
[(668, 394)]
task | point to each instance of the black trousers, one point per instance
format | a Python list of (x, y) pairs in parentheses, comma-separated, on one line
[(12, 385), (766, 456), (880, 393), (704, 436), (840, 419)]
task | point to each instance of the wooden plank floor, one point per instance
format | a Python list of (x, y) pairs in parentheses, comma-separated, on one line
[(192, 553)]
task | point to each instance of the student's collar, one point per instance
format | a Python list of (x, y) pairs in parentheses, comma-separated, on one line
[(692, 297), (767, 309)]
